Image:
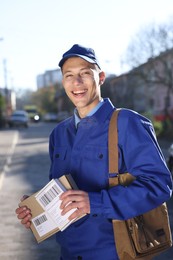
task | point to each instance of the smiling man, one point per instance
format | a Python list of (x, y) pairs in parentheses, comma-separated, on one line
[(79, 146), (82, 79)]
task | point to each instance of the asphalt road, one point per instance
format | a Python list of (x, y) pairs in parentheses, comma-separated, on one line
[(24, 166), (27, 171)]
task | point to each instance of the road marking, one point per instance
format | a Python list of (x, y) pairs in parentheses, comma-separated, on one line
[(9, 157)]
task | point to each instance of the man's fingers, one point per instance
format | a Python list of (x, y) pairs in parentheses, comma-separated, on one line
[(26, 219), (28, 225), (72, 193), (69, 206), (72, 196), (70, 199), (23, 212), (75, 199), (20, 210), (76, 214), (81, 207)]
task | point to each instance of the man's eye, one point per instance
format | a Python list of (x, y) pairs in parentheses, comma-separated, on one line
[(68, 76), (86, 72)]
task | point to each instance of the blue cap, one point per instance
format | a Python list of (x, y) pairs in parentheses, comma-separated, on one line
[(77, 50)]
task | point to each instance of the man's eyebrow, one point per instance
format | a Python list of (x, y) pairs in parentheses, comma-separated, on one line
[(67, 72), (84, 68)]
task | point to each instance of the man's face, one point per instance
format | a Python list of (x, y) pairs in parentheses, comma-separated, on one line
[(81, 81)]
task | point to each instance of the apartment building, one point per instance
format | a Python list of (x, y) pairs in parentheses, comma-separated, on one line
[(147, 88)]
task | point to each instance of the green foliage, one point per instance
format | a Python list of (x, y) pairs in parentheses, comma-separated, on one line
[(44, 99), (2, 107), (2, 102), (158, 126)]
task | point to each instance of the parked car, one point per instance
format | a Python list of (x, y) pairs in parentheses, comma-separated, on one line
[(62, 115), (170, 158), (53, 117), (18, 118), (50, 117)]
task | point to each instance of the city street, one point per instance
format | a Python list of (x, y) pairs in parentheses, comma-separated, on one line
[(24, 167), (27, 171)]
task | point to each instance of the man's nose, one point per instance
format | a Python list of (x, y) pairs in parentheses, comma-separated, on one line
[(77, 79)]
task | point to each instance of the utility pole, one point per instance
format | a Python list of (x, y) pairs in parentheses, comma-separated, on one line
[(6, 86), (1, 39), (5, 75), (5, 78), (7, 91), (2, 123)]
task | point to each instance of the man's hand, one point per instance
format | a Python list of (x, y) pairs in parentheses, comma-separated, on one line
[(24, 214), (75, 199)]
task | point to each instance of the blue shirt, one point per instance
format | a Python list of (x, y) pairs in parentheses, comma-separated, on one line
[(78, 119), (84, 155)]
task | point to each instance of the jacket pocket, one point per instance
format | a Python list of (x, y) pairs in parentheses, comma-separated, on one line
[(60, 162), (96, 153)]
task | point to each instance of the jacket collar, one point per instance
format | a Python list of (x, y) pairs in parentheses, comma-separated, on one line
[(102, 114)]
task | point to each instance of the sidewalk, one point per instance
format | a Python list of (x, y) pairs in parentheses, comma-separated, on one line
[(8, 139), (24, 172)]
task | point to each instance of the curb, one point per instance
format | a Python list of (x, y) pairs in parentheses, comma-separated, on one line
[(9, 157)]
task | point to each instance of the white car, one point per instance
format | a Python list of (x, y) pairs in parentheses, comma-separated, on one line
[(50, 117), (18, 118)]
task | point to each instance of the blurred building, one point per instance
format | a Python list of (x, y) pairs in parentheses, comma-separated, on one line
[(53, 79), (49, 78), (147, 88)]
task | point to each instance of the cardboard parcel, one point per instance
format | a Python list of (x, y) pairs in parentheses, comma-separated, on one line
[(44, 205)]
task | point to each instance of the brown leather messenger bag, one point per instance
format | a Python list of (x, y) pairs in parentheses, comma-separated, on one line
[(143, 236)]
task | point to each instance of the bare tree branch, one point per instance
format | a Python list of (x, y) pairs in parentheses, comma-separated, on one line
[(149, 56)]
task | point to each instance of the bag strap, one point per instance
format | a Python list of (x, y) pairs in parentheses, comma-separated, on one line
[(113, 143), (115, 178)]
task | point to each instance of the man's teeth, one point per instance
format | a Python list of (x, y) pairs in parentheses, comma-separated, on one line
[(79, 92)]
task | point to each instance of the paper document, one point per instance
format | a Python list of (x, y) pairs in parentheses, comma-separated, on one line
[(45, 208), (48, 198)]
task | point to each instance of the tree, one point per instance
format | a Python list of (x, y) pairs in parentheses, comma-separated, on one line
[(2, 106), (44, 99), (150, 57), (148, 43), (23, 97)]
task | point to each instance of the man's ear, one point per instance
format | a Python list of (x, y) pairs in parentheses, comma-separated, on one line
[(102, 77)]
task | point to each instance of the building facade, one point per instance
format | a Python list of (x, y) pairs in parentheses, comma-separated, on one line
[(49, 78), (148, 88)]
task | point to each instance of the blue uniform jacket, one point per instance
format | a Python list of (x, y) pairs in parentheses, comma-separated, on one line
[(83, 153)]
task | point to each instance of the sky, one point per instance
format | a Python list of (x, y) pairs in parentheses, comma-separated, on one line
[(35, 33)]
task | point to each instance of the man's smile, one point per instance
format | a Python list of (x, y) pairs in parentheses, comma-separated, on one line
[(79, 93)]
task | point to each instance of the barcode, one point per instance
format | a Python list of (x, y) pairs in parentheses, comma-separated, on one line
[(38, 221), (50, 195)]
